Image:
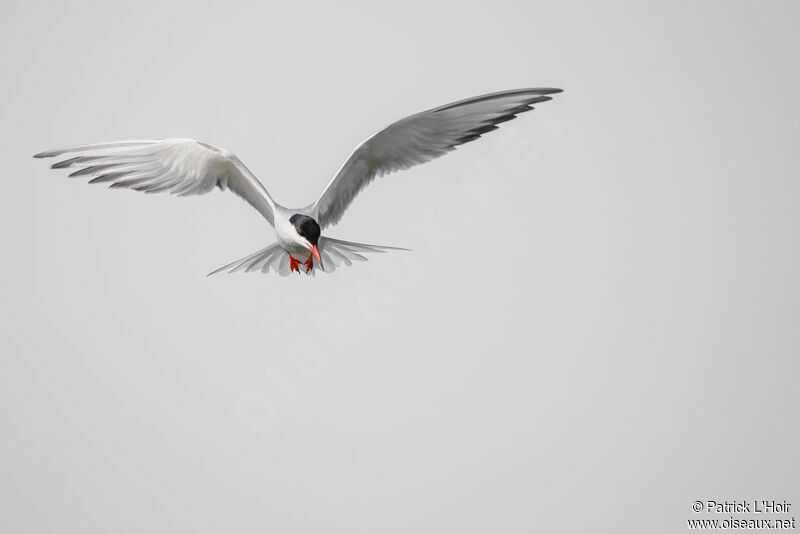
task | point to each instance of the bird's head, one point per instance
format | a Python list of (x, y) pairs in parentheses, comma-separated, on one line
[(308, 232)]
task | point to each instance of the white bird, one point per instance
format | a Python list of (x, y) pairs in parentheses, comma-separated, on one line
[(189, 167)]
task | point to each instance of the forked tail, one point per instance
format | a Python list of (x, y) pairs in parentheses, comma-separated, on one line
[(335, 253)]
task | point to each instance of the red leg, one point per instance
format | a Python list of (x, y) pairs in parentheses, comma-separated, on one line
[(294, 264), (309, 263)]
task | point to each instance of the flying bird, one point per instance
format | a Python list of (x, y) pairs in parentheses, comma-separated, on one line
[(188, 167)]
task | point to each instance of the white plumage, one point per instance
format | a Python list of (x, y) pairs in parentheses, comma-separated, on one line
[(188, 167)]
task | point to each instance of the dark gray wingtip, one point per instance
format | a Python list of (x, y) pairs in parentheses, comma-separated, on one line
[(217, 271), (62, 164)]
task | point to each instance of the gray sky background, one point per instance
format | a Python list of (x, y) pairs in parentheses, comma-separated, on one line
[(601, 330)]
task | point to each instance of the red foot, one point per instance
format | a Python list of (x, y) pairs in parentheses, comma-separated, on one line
[(309, 263), (294, 264)]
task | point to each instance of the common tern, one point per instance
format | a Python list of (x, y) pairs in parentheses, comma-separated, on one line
[(188, 167)]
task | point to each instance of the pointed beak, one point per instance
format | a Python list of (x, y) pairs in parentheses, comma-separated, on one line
[(315, 251)]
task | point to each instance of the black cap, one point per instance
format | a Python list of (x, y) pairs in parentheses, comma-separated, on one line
[(306, 227)]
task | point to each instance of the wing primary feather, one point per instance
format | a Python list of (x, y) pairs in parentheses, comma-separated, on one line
[(77, 159), (99, 146), (92, 170), (109, 177)]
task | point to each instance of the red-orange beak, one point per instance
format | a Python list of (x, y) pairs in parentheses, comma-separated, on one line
[(315, 251)]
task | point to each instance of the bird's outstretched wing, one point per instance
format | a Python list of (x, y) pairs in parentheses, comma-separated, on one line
[(419, 139), (180, 166)]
